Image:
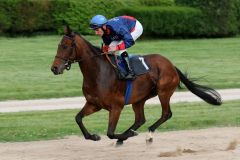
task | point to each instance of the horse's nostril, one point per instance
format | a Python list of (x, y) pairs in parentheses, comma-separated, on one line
[(54, 70)]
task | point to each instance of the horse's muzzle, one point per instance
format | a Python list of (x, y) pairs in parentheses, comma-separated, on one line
[(56, 71)]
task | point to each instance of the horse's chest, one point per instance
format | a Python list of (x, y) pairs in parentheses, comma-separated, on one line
[(91, 96)]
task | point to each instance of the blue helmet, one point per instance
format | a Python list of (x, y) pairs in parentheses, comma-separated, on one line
[(97, 21)]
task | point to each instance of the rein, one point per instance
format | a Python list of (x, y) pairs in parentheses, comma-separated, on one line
[(69, 62)]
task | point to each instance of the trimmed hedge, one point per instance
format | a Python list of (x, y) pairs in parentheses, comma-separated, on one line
[(79, 13), (5, 23), (202, 18), (25, 16), (167, 21), (28, 16), (219, 16), (157, 2), (208, 17), (237, 13)]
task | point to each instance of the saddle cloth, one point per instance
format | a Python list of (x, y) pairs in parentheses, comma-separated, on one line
[(137, 63)]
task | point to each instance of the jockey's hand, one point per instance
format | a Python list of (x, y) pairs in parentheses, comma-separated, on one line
[(105, 48), (112, 48)]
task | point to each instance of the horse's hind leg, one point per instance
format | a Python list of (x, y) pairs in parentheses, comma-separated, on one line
[(164, 93), (166, 112), (138, 109)]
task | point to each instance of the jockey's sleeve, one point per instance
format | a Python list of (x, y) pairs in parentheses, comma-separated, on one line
[(127, 38)]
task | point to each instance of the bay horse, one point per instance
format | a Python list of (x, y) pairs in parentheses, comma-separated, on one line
[(103, 90)]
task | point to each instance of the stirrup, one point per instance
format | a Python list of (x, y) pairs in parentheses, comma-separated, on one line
[(130, 76)]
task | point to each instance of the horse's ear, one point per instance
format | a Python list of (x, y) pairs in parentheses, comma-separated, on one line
[(67, 30)]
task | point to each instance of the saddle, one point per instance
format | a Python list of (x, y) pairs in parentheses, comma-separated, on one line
[(137, 63)]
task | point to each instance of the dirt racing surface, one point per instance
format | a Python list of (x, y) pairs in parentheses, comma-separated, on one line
[(204, 144)]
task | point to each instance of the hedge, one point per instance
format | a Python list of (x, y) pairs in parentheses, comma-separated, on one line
[(207, 18), (219, 16), (155, 3), (25, 16), (79, 13), (28, 16), (237, 13), (167, 21)]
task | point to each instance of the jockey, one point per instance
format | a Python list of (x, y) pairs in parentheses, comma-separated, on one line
[(118, 34)]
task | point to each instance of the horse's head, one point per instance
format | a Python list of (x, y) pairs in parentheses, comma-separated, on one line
[(66, 52)]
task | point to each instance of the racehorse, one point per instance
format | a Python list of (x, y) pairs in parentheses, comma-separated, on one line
[(103, 90)]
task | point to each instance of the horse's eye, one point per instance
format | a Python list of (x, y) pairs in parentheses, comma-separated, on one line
[(64, 46)]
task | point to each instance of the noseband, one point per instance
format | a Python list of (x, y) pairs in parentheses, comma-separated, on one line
[(67, 64)]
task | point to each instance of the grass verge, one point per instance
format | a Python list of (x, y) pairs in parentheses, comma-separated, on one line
[(25, 64), (43, 125)]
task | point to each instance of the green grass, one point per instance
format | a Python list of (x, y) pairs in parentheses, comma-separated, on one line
[(29, 126), (25, 64)]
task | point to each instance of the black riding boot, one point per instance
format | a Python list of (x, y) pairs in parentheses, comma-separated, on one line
[(130, 75)]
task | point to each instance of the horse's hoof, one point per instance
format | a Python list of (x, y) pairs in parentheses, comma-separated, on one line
[(119, 143), (95, 137), (149, 141), (133, 133), (149, 138)]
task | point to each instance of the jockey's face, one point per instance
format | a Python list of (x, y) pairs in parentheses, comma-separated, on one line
[(99, 31)]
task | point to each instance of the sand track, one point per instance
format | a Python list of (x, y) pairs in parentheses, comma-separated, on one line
[(204, 144), (214, 143)]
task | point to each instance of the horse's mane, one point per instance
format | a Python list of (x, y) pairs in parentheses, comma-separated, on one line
[(93, 48)]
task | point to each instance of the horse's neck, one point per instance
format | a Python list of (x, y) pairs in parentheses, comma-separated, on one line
[(98, 75), (91, 64)]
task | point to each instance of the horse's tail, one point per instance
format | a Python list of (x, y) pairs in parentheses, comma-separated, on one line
[(207, 94)]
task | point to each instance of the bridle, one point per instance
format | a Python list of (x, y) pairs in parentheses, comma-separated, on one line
[(68, 62), (73, 47)]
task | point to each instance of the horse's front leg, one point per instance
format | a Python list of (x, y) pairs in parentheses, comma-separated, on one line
[(114, 115), (87, 110)]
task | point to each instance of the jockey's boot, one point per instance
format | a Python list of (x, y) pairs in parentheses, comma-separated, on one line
[(130, 75)]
